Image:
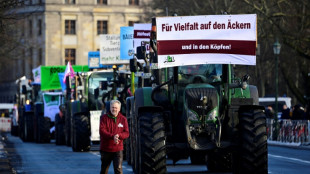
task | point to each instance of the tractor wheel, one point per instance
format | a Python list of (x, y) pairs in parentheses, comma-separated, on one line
[(219, 161), (128, 140), (151, 144), (68, 129), (80, 133), (21, 126), (28, 126), (134, 143), (59, 131), (252, 156), (44, 135)]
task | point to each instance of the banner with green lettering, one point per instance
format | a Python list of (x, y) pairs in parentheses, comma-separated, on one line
[(49, 75)]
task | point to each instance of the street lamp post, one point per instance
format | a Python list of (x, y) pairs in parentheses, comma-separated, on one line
[(276, 51)]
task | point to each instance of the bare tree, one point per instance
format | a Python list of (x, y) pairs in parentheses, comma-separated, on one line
[(286, 20)]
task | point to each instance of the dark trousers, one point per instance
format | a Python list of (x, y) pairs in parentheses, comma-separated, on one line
[(107, 158)]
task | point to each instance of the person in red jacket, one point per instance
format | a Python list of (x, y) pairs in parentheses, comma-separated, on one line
[(113, 131)]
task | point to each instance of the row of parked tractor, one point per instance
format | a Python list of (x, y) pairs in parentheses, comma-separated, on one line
[(196, 108)]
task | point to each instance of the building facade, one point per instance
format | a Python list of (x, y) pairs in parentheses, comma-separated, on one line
[(53, 32), (58, 31)]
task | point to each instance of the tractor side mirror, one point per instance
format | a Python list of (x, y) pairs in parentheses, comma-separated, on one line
[(244, 83), (141, 52)]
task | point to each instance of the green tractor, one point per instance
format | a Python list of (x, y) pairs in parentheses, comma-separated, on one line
[(202, 112)]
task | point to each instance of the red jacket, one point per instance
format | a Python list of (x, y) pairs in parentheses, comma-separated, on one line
[(108, 128)]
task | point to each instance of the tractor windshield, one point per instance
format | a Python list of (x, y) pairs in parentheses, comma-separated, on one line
[(206, 73), (96, 78)]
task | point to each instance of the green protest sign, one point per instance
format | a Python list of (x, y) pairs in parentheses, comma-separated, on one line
[(49, 75)]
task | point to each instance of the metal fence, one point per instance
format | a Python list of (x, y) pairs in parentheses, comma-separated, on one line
[(290, 131)]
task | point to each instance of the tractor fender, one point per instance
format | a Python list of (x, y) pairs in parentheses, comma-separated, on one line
[(142, 98), (129, 106), (149, 109), (78, 106), (254, 94)]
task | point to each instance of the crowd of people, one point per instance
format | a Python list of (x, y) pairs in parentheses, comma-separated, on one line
[(297, 112)]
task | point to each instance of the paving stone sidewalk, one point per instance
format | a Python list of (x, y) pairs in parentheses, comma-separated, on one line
[(5, 166)]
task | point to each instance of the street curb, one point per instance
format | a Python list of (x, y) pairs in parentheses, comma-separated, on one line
[(305, 146)]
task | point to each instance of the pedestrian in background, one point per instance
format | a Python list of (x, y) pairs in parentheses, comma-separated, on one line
[(269, 112), (285, 112), (298, 113), (113, 131)]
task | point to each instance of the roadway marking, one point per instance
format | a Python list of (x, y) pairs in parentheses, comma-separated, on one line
[(293, 159)]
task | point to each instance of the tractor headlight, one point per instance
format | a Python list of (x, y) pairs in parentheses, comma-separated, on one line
[(212, 115), (192, 115)]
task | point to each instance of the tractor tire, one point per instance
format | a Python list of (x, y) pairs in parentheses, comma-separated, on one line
[(80, 133), (43, 130), (128, 140), (134, 143), (68, 129), (151, 144), (219, 161), (44, 135), (59, 131), (253, 155), (21, 127), (28, 126)]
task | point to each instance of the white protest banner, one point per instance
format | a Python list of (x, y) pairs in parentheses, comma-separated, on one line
[(142, 34), (212, 39), (95, 125), (37, 75), (110, 49), (52, 101)]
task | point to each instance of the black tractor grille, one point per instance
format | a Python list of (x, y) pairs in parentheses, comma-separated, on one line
[(194, 99)]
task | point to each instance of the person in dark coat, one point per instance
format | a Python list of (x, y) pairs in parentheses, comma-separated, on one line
[(285, 112), (269, 112), (298, 113)]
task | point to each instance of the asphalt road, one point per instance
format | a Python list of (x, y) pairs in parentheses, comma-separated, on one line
[(21, 157)]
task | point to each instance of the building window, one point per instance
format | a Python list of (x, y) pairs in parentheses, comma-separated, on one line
[(39, 27), (30, 28), (70, 27), (131, 23), (70, 56), (102, 27), (133, 2), (102, 2), (69, 1)]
